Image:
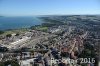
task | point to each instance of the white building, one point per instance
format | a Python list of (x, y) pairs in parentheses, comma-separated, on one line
[(26, 62)]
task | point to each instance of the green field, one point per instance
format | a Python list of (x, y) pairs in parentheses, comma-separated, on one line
[(17, 31), (41, 28)]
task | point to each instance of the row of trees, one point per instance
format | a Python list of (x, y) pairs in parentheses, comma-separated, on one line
[(1, 32), (9, 63)]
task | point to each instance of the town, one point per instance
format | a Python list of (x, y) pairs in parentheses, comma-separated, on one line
[(59, 38)]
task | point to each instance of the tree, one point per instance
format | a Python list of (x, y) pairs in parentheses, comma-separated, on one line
[(3, 49), (8, 35), (17, 34), (10, 62), (1, 32)]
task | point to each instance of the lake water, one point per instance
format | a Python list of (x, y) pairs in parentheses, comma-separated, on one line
[(18, 22)]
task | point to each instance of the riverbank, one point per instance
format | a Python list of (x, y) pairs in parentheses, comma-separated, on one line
[(12, 31)]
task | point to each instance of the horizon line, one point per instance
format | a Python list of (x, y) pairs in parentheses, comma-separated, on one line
[(46, 15)]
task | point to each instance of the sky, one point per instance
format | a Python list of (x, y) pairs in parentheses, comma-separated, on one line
[(48, 7)]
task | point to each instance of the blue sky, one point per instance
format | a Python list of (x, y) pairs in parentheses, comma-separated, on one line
[(48, 7)]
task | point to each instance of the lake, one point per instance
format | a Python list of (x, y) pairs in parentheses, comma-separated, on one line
[(18, 22)]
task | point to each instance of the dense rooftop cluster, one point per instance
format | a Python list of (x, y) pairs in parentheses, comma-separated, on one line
[(66, 37)]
